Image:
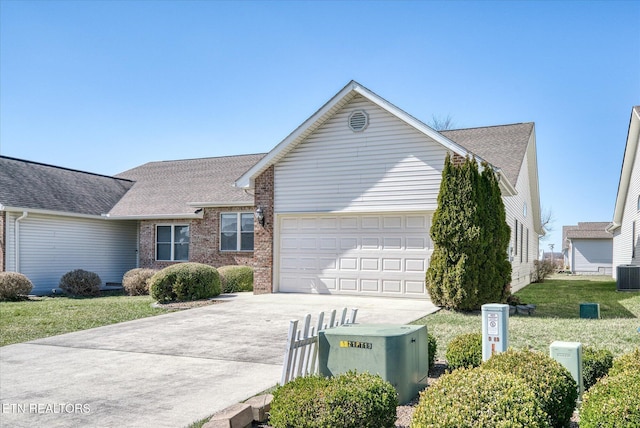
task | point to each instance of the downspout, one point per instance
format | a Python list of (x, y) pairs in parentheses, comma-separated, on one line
[(17, 238)]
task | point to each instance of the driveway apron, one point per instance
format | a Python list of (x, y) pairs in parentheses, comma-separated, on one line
[(168, 370)]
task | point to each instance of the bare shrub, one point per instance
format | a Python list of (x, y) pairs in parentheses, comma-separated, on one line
[(14, 286), (136, 281), (80, 283)]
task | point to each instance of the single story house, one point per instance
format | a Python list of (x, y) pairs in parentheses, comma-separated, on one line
[(588, 248), (625, 226), (342, 205)]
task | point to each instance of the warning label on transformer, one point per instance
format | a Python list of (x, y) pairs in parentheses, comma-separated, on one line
[(354, 344)]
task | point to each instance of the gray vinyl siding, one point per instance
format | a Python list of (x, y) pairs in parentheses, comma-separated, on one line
[(52, 245), (623, 241), (591, 256), (527, 249), (387, 167)]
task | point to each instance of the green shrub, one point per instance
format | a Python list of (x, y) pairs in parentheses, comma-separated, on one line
[(626, 362), (185, 282), (348, 400), (553, 385), (135, 281), (14, 286), (432, 346), (80, 283), (234, 279), (614, 401), (595, 364), (465, 350), (478, 398)]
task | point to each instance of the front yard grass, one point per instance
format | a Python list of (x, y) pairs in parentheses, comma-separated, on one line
[(49, 316), (557, 317)]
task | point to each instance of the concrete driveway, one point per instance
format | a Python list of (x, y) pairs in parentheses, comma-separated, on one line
[(169, 370)]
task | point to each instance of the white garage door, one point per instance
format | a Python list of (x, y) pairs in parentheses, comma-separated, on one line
[(379, 254)]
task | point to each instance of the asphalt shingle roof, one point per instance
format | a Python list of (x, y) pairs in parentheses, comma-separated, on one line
[(587, 230), (25, 184), (503, 146), (166, 188)]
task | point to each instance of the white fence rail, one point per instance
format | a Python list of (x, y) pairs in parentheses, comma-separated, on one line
[(301, 355)]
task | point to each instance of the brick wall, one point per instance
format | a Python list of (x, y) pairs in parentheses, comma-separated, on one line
[(263, 237), (3, 241), (204, 245)]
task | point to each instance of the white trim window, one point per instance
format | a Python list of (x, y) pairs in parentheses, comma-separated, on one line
[(172, 242), (236, 231)]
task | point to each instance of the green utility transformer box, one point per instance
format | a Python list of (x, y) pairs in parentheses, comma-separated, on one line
[(398, 353)]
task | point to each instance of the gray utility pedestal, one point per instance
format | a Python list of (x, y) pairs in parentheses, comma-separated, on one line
[(398, 353)]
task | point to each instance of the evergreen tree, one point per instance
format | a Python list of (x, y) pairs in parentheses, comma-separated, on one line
[(469, 265)]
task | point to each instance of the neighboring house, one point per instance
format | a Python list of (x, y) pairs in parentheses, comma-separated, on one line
[(348, 198), (345, 202), (588, 248), (51, 222), (626, 217)]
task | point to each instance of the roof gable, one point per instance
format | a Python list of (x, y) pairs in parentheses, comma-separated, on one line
[(484, 144), (179, 188), (351, 90), (37, 186), (628, 162), (586, 230)]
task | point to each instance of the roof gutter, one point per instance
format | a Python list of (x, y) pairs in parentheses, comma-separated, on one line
[(198, 214), (16, 238)]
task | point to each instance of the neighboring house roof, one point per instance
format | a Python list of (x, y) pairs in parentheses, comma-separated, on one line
[(503, 146), (586, 230), (628, 162), (26, 185), (351, 90), (179, 188)]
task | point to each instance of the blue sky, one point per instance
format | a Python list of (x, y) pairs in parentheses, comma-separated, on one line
[(104, 86)]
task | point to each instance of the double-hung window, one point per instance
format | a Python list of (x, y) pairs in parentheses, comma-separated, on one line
[(236, 232), (172, 242)]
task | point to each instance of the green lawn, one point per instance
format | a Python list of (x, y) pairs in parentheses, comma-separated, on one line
[(557, 317), (49, 316)]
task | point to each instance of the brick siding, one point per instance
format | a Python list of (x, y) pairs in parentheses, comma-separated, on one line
[(263, 237), (204, 241)]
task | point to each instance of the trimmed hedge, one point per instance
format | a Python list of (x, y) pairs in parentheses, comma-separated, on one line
[(465, 351), (595, 365), (81, 283), (136, 281), (626, 362), (349, 400), (613, 402), (553, 385), (185, 282), (432, 347), (234, 279), (478, 398), (14, 286)]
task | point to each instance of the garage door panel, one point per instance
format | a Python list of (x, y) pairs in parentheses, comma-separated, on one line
[(415, 287), (392, 286), (370, 285), (373, 254)]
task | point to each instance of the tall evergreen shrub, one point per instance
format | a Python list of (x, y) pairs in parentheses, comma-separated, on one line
[(469, 265)]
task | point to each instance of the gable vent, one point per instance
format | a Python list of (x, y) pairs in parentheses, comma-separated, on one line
[(358, 120)]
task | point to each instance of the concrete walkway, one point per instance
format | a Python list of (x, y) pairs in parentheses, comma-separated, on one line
[(169, 370)]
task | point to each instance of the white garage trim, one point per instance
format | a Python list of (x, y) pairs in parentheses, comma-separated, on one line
[(379, 254)]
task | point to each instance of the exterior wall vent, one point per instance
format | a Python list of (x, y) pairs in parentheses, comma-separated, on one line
[(358, 120)]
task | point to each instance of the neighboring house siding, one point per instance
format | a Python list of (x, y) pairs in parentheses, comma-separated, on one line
[(3, 240), (523, 255), (591, 256), (204, 245), (388, 167), (623, 239), (51, 246)]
